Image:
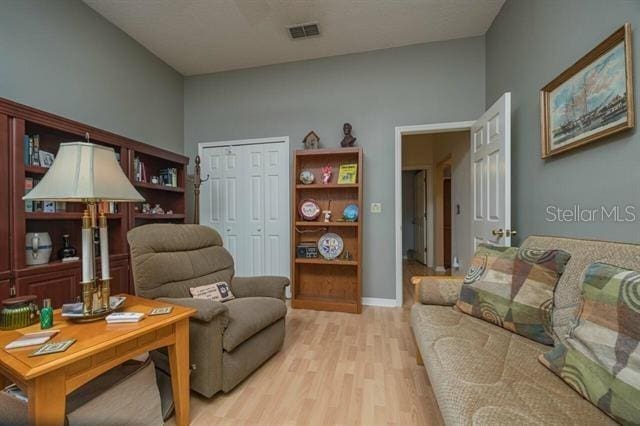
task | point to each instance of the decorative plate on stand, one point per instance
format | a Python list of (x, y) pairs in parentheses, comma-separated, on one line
[(330, 245), (309, 209)]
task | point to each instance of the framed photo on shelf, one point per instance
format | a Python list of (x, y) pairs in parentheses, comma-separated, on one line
[(46, 158), (590, 100)]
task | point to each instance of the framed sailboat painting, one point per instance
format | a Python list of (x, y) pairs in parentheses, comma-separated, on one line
[(592, 99)]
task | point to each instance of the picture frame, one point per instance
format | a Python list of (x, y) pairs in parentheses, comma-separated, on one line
[(46, 158), (590, 100)]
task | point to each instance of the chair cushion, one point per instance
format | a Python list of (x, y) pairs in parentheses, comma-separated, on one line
[(601, 356), (248, 316), (513, 288), (483, 374)]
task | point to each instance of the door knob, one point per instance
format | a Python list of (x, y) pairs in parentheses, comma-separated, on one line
[(511, 232), (497, 232)]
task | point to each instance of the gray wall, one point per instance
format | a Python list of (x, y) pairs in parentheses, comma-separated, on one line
[(375, 91), (62, 57), (529, 44)]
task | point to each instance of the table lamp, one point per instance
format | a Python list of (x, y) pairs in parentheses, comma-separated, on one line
[(83, 172)]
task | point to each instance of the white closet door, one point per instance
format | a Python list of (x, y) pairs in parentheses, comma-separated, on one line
[(246, 199), (231, 198), (276, 180), (252, 210), (212, 195)]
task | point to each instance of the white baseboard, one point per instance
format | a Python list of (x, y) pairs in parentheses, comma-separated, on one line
[(440, 269), (377, 301)]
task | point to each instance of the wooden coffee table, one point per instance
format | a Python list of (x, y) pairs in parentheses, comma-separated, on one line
[(48, 379)]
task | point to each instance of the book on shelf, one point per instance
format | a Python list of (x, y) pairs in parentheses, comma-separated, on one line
[(108, 207), (139, 170), (28, 186), (169, 177), (35, 150), (347, 174), (31, 147)]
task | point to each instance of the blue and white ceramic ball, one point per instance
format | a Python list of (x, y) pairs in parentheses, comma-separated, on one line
[(350, 213)]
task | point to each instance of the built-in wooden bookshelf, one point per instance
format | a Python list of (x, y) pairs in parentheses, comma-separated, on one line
[(60, 280), (318, 283), (170, 197)]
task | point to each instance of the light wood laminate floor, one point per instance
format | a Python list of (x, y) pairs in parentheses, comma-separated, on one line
[(334, 368)]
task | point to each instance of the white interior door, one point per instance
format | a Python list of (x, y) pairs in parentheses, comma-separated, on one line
[(420, 216), (246, 199), (491, 175), (276, 209)]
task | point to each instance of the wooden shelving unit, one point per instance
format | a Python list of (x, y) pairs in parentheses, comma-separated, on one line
[(318, 283), (168, 197), (60, 280)]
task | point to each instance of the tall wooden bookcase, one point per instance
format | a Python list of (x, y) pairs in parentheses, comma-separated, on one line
[(59, 280), (318, 283)]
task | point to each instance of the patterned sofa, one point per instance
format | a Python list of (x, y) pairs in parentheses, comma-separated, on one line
[(485, 375)]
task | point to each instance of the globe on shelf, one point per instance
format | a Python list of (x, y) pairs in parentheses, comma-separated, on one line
[(350, 213), (307, 177)]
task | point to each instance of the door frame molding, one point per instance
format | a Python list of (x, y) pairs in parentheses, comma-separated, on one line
[(399, 132), (282, 139)]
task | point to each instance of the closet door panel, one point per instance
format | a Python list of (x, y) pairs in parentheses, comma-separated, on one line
[(276, 161), (253, 157)]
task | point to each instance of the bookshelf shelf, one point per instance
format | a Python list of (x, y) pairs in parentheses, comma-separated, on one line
[(64, 216), (328, 186), (158, 216), (318, 283), (35, 170), (158, 187), (328, 224), (327, 262)]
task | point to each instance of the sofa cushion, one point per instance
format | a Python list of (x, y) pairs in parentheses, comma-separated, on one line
[(567, 296), (483, 374), (513, 288), (248, 316), (601, 356)]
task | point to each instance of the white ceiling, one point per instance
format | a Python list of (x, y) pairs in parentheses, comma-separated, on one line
[(203, 36)]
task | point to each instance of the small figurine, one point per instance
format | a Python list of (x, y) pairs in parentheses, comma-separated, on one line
[(155, 180), (348, 140), (311, 141), (146, 208), (326, 174), (157, 210), (327, 215)]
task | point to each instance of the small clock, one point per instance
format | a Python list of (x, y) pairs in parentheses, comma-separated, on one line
[(309, 209)]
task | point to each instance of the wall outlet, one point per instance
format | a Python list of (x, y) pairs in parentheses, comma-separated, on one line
[(376, 207)]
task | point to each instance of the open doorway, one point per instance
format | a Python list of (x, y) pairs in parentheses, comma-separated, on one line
[(435, 192)]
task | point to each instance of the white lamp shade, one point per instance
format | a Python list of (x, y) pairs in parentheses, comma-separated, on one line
[(84, 172)]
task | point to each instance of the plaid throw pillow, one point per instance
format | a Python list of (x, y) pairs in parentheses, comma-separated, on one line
[(220, 292), (513, 288), (601, 357)]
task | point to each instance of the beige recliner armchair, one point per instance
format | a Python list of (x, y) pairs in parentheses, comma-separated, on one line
[(229, 340)]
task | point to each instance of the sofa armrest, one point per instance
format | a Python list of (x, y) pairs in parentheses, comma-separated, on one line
[(437, 290), (259, 286), (206, 309)]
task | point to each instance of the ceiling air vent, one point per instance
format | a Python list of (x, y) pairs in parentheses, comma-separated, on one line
[(304, 30)]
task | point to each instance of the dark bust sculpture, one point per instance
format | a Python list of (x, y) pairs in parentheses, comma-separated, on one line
[(348, 139)]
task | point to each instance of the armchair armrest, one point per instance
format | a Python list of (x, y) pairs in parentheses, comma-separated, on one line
[(259, 286), (206, 309), (437, 290)]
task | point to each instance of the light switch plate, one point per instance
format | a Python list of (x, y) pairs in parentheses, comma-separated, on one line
[(376, 208)]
